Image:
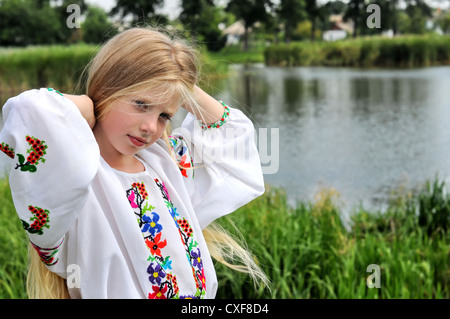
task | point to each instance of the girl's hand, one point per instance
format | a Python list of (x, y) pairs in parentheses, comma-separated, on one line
[(85, 105)]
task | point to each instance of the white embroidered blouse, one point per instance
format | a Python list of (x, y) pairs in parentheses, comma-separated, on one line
[(118, 235)]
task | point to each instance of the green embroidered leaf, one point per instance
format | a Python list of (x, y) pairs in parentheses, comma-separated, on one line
[(35, 231), (31, 168), (146, 208), (25, 225), (21, 158)]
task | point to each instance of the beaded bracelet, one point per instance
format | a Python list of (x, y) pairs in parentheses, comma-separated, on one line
[(219, 123)]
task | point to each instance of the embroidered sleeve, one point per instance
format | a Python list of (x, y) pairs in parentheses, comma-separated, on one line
[(53, 157), (226, 164), (220, 122)]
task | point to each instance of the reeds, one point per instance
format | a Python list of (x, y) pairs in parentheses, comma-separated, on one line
[(398, 52), (40, 66), (308, 252)]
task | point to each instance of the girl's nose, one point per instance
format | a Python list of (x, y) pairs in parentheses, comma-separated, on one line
[(149, 125)]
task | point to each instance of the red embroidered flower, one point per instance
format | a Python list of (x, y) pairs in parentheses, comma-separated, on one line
[(7, 150), (155, 245), (158, 292)]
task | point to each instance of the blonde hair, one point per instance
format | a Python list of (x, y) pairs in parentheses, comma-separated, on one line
[(135, 59)]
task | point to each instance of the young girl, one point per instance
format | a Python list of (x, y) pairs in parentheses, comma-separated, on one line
[(111, 202)]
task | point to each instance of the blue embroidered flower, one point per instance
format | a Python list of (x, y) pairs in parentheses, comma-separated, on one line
[(151, 224), (167, 263), (156, 273), (197, 260)]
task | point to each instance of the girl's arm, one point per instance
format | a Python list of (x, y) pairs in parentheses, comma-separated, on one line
[(53, 158), (85, 105), (211, 110), (227, 171)]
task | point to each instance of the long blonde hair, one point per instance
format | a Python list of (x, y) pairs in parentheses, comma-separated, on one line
[(135, 59)]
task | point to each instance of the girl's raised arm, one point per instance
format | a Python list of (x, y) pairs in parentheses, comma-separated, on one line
[(211, 109), (85, 105)]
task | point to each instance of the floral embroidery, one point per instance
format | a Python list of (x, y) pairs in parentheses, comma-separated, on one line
[(182, 154), (35, 155), (40, 220), (5, 148), (219, 123), (164, 283), (156, 244), (186, 235), (158, 292), (47, 255)]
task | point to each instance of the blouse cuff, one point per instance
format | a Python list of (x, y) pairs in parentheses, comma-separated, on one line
[(219, 123)]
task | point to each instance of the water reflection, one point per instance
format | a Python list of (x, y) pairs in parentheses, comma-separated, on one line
[(362, 132)]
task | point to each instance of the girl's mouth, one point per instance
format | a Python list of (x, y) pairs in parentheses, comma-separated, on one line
[(137, 141)]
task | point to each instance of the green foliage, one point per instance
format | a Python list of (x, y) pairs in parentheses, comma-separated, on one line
[(22, 22), (399, 52), (202, 18), (308, 252), (42, 66), (13, 248), (141, 11), (97, 28)]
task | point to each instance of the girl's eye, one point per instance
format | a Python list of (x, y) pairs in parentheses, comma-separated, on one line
[(141, 104), (165, 116)]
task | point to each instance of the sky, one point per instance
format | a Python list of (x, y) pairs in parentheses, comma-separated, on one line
[(171, 7)]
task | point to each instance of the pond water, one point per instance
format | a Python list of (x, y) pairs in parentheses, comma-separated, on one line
[(364, 133)]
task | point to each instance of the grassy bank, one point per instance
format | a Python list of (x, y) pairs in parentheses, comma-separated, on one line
[(399, 52), (33, 67), (306, 251)]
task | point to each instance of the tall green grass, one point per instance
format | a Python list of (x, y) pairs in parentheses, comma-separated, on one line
[(398, 52), (307, 251), (13, 248)]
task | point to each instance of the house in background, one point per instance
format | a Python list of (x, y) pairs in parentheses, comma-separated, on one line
[(339, 29), (234, 32)]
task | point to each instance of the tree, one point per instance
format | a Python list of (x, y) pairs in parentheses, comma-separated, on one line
[(314, 12), (418, 11), (141, 11), (22, 23), (97, 28), (356, 12), (444, 22), (202, 18), (291, 12), (250, 11)]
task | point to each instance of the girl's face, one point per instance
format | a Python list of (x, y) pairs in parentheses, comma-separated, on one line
[(134, 123)]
